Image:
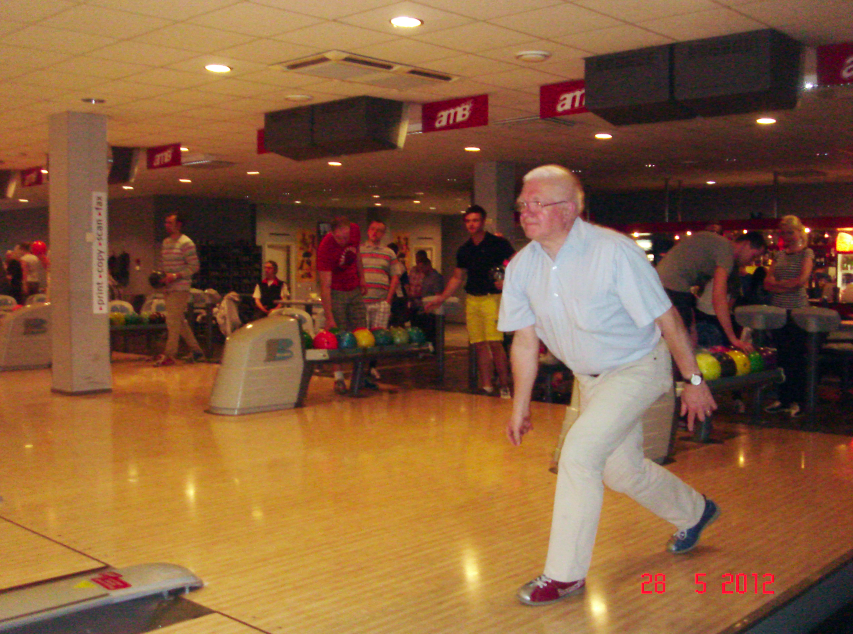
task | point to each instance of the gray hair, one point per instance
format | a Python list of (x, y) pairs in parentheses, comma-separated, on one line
[(561, 176)]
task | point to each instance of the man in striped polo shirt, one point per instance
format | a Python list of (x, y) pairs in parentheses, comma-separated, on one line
[(382, 273), (180, 262)]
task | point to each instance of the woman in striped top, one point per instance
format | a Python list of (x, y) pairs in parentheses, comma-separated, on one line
[(787, 281)]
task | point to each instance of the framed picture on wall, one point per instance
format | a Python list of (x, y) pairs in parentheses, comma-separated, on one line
[(322, 229)]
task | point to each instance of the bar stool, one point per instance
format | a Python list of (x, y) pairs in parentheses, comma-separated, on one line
[(814, 321)]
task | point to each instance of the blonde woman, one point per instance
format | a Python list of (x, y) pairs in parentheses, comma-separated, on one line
[(787, 281)]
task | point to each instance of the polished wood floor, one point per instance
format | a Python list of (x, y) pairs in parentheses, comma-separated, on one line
[(403, 511)]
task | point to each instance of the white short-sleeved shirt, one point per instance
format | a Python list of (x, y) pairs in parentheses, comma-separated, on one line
[(594, 306)]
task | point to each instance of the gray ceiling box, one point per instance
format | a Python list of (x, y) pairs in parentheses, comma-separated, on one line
[(738, 74), (336, 128), (633, 87)]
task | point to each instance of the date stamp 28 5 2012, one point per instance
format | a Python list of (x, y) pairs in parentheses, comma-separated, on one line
[(728, 583)]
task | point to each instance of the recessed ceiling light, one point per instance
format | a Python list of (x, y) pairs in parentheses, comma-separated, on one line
[(184, 180), (377, 204), (184, 149), (417, 202), (603, 135), (650, 165), (23, 200), (127, 186), (218, 68), (711, 182), (298, 202), (252, 173), (532, 56), (43, 171), (299, 97), (406, 22), (432, 208), (376, 195), (93, 100), (471, 148), (765, 120), (689, 233), (335, 163)]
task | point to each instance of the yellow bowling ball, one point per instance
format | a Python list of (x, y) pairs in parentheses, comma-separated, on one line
[(741, 361), (364, 338), (708, 366)]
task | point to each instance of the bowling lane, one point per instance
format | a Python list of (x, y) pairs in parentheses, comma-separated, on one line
[(29, 557)]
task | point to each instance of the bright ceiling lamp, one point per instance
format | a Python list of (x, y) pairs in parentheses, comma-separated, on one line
[(603, 135), (766, 121), (218, 68), (406, 22)]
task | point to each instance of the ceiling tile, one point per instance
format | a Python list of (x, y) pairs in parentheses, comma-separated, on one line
[(89, 19), (193, 37), (192, 97), (268, 51), (277, 78), (489, 9), (130, 89), (28, 11), (169, 9), (560, 53), (196, 64), (54, 78), (171, 78), (334, 36), (474, 37), (8, 26), (694, 26), (254, 19), (141, 53), (615, 39), (330, 9), (470, 65), (634, 11), (562, 19), (57, 40), (29, 58), (523, 79), (236, 87), (106, 69)]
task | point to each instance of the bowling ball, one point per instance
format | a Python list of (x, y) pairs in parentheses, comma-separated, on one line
[(346, 340), (708, 366), (742, 364), (769, 356), (307, 341), (383, 337), (334, 330), (364, 338), (144, 318), (756, 361), (38, 248), (131, 319), (728, 367), (497, 273), (157, 279), (117, 319), (416, 335), (325, 340), (718, 349), (400, 335)]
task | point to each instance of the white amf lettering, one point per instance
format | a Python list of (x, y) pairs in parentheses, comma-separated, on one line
[(847, 69), (572, 100), (163, 158), (454, 115)]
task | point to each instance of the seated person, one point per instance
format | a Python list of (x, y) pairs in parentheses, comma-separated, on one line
[(269, 292)]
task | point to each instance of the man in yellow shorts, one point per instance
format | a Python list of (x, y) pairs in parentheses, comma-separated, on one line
[(483, 257)]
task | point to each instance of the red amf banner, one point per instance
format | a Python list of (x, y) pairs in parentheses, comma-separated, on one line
[(164, 156), (32, 177), (453, 114), (568, 97), (835, 64)]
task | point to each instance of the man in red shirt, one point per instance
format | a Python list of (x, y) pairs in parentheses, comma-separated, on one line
[(342, 284)]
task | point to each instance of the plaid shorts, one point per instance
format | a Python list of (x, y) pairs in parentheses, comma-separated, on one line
[(378, 314), (348, 309)]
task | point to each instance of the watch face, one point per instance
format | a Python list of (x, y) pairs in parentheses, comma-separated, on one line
[(696, 379)]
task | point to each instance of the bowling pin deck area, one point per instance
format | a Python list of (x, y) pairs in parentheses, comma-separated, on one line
[(406, 511)]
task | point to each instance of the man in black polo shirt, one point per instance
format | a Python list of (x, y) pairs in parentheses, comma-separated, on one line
[(480, 257)]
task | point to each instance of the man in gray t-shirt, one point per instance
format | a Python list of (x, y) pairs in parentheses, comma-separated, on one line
[(708, 258)]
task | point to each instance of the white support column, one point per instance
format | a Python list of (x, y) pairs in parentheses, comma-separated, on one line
[(79, 290), (494, 190)]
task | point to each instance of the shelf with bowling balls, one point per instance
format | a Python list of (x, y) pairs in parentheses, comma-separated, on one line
[(721, 363), (334, 344), (135, 320)]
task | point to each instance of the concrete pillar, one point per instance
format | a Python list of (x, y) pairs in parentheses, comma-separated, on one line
[(494, 190), (79, 291)]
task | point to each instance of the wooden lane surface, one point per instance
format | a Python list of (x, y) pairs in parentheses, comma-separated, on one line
[(406, 512), (209, 624)]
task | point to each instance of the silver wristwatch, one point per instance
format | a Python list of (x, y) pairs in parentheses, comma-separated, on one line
[(696, 379)]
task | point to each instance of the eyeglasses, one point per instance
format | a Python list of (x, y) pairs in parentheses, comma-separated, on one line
[(535, 205)]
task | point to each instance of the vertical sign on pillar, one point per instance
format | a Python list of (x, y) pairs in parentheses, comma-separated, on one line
[(100, 275)]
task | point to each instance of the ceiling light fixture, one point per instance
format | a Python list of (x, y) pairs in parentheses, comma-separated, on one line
[(711, 182), (93, 100), (184, 180), (472, 148), (217, 68), (127, 186), (377, 204), (532, 57), (417, 202), (766, 121), (376, 195), (23, 200), (184, 149), (406, 22), (335, 163), (603, 135), (252, 173)]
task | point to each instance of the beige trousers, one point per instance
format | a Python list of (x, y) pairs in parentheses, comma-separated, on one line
[(605, 446), (176, 323)]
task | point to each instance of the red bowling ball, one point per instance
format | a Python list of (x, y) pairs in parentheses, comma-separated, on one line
[(325, 340)]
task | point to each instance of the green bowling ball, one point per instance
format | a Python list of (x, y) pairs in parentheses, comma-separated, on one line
[(416, 335), (307, 341), (400, 335), (383, 337), (346, 340), (756, 361), (708, 366)]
